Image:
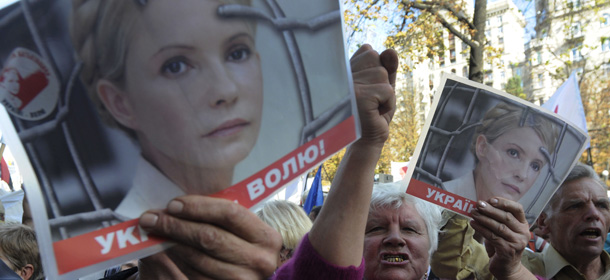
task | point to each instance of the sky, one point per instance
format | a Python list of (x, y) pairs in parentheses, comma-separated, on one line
[(376, 34), (4, 3)]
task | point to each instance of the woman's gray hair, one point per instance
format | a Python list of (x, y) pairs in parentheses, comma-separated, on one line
[(389, 196)]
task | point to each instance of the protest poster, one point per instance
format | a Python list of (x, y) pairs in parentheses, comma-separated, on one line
[(228, 100), (479, 142)]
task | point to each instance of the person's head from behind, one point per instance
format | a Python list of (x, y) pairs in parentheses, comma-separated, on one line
[(401, 235), (508, 150), (315, 211), (578, 215), (19, 250), (182, 80), (289, 220)]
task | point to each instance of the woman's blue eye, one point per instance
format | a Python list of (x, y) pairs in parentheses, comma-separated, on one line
[(174, 67), (239, 54), (536, 166), (512, 152)]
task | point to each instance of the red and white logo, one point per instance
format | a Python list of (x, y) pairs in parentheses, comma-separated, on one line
[(28, 87)]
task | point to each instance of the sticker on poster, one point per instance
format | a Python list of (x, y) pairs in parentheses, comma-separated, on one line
[(28, 88)]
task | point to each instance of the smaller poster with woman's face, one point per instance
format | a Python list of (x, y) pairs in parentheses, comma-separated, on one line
[(479, 143)]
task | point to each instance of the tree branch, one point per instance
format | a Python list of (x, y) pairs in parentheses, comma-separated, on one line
[(434, 10)]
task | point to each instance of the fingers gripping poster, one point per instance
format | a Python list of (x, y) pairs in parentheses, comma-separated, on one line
[(116, 107)]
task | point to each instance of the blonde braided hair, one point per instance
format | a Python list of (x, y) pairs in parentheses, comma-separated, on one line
[(504, 117), (100, 31)]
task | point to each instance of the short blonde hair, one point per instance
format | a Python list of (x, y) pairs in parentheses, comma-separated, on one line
[(101, 31), (19, 246), (288, 219)]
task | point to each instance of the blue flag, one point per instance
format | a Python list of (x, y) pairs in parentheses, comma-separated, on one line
[(315, 196)]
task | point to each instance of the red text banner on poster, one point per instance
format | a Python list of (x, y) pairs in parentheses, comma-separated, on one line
[(101, 245), (125, 238), (441, 197)]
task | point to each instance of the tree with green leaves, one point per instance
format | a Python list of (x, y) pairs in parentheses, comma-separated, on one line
[(415, 31), (513, 86)]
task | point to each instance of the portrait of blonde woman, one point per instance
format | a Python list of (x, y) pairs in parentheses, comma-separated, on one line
[(509, 149), (186, 84)]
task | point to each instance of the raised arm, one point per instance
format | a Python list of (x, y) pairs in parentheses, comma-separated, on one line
[(338, 233)]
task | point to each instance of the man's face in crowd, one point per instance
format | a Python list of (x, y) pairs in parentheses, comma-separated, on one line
[(580, 218)]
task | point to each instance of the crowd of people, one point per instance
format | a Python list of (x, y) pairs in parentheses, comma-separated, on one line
[(363, 230)]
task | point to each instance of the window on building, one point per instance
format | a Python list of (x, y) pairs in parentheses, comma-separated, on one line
[(465, 71), (452, 55), (465, 50), (605, 20), (488, 33), (575, 29), (503, 75), (574, 4), (501, 40), (540, 80), (441, 59), (489, 76), (576, 55), (536, 58), (605, 44), (500, 30), (500, 19)]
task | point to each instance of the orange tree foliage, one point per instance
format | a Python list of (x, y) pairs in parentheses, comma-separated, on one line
[(595, 92)]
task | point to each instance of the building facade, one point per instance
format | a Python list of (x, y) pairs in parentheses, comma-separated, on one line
[(503, 60), (571, 35)]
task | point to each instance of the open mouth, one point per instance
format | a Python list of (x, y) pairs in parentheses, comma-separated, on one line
[(394, 258), (591, 233)]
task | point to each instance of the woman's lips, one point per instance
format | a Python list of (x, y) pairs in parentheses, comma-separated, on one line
[(513, 188), (228, 128)]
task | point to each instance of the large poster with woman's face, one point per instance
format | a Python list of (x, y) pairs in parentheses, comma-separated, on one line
[(114, 107), (479, 143)]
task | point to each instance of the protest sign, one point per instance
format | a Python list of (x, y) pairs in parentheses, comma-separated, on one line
[(110, 114), (479, 142)]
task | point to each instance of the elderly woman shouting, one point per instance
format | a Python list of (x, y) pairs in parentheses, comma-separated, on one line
[(401, 235)]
